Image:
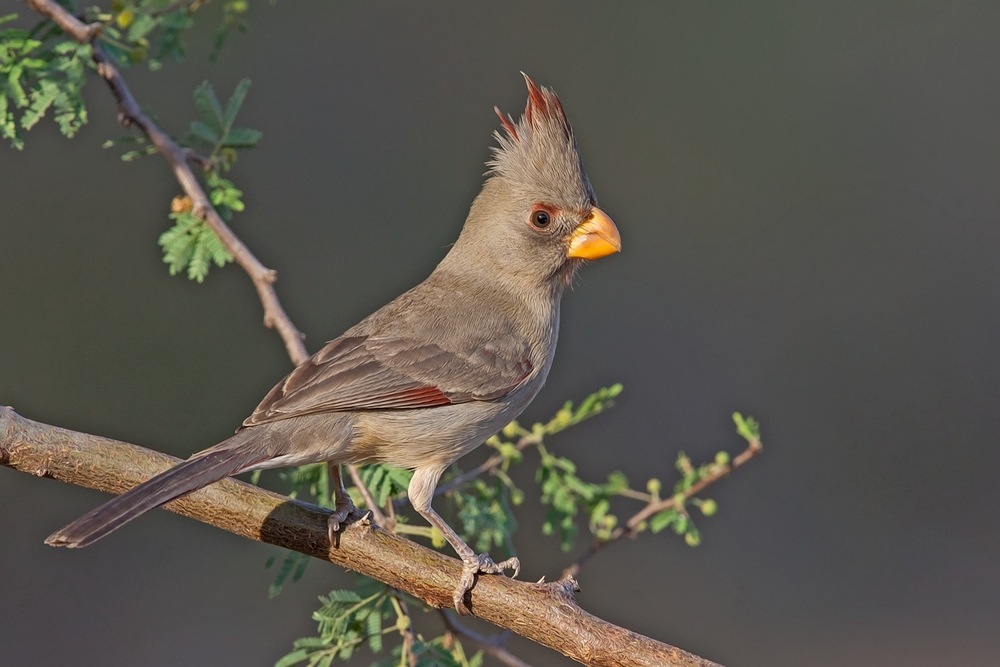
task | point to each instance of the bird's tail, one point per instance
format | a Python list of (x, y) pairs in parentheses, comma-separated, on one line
[(225, 459)]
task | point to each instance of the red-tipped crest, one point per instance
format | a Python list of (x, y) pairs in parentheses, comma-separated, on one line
[(507, 122), (543, 103), (538, 150)]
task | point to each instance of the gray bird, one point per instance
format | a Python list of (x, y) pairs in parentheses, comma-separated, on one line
[(428, 377)]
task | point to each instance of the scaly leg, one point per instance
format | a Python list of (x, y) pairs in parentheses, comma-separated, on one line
[(421, 492), (345, 512)]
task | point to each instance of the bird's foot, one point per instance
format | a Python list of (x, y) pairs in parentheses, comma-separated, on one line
[(345, 513), (474, 565)]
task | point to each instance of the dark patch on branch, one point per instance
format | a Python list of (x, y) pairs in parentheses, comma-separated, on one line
[(544, 613)]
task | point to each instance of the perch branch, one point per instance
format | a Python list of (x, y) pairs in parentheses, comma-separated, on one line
[(544, 613), (130, 113)]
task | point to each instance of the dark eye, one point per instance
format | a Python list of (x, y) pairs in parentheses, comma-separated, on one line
[(540, 219)]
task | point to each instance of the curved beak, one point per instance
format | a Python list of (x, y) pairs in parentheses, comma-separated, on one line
[(595, 237)]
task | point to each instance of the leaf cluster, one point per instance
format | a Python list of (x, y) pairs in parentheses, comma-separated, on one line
[(350, 619), (347, 620), (152, 31), (190, 244), (384, 482), (486, 513), (39, 72)]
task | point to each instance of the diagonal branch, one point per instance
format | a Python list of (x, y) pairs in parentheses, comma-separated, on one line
[(491, 645), (544, 613), (376, 511), (654, 507), (130, 113)]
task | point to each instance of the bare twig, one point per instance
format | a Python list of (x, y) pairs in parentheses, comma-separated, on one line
[(130, 113), (489, 465), (191, 156), (80, 31), (380, 518), (544, 613), (654, 507), (192, 5), (408, 633), (490, 645)]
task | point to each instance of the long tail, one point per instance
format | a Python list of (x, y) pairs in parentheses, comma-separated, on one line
[(223, 460)]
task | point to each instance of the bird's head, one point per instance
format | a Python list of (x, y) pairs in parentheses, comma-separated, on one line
[(536, 219)]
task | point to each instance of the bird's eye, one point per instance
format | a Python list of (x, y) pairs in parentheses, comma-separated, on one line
[(541, 219)]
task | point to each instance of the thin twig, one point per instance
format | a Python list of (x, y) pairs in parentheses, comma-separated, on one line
[(192, 156), (489, 465), (654, 507), (405, 627), (192, 5), (129, 113), (490, 645), (380, 518), (80, 31)]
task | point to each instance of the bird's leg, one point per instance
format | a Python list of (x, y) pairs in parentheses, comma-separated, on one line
[(344, 510), (421, 490)]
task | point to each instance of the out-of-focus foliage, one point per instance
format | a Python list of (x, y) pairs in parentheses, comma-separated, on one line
[(39, 72)]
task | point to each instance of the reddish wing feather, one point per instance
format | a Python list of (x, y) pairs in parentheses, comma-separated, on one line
[(423, 397), (348, 376)]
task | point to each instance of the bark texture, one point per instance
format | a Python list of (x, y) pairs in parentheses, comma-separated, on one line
[(544, 613)]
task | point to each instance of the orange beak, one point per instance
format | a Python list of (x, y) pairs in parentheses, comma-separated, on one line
[(595, 237)]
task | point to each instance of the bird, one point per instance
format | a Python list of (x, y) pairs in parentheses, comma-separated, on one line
[(430, 376)]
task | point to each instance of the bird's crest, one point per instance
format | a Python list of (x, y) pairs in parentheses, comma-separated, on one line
[(539, 149)]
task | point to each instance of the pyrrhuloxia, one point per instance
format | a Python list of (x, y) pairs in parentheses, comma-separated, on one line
[(431, 375)]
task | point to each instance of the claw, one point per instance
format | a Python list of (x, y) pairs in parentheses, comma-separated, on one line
[(345, 514), (474, 566)]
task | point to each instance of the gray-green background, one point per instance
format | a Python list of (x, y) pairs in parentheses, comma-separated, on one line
[(807, 195)]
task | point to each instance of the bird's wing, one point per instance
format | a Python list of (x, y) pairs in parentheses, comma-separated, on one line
[(366, 373)]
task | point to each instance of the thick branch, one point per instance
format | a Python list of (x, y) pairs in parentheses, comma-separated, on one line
[(544, 613), (129, 112)]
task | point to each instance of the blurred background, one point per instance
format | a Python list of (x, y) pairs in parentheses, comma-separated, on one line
[(807, 195)]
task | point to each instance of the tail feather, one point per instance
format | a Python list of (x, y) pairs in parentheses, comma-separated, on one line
[(216, 463)]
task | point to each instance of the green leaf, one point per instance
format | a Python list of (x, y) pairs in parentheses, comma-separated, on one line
[(293, 658), (749, 427), (203, 133), (663, 519), (208, 106), (235, 102), (141, 27), (242, 138), (374, 629), (190, 244), (41, 100)]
